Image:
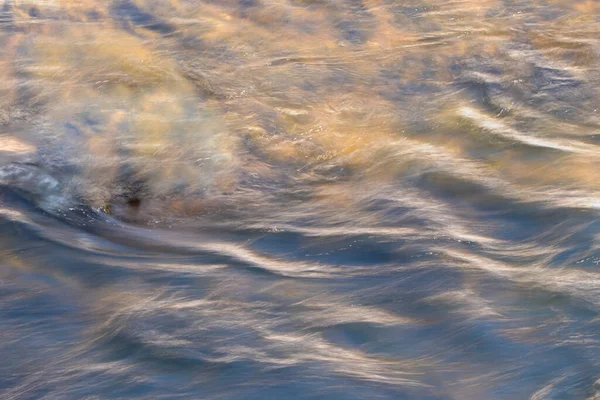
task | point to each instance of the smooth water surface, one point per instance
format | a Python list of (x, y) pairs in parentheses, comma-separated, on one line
[(299, 199)]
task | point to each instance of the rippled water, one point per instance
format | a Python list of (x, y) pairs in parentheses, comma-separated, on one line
[(299, 199)]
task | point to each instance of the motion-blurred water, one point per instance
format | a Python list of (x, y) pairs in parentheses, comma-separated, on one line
[(299, 199)]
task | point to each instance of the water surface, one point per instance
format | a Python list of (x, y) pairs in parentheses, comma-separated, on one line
[(299, 199)]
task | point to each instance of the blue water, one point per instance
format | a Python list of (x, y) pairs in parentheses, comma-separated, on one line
[(299, 200)]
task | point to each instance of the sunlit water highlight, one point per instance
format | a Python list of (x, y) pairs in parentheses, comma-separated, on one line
[(299, 199)]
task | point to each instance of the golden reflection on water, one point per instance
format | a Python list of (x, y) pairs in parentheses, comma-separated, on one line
[(401, 193), (193, 94)]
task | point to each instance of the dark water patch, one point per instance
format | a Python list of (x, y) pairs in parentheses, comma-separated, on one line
[(6, 17), (127, 11)]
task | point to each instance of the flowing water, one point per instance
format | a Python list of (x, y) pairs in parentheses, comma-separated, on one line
[(299, 199)]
